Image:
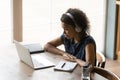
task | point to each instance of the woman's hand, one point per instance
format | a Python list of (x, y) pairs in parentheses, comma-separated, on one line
[(69, 57)]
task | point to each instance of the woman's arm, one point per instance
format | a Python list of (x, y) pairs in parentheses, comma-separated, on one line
[(90, 53), (89, 49), (90, 56), (52, 48), (52, 45)]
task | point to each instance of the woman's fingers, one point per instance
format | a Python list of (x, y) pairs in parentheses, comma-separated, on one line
[(69, 57)]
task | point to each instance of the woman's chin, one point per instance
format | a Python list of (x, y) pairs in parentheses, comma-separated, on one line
[(68, 37)]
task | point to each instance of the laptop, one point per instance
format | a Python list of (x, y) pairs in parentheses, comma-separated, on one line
[(34, 48), (33, 60)]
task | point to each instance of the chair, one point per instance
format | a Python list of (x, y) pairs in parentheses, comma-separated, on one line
[(100, 60), (105, 73)]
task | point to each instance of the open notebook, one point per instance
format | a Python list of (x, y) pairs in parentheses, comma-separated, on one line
[(65, 66)]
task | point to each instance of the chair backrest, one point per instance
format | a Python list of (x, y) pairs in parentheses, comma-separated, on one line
[(101, 60), (105, 73)]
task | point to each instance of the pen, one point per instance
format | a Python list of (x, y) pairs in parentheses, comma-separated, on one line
[(63, 65)]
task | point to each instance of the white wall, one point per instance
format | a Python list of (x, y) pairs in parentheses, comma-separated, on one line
[(96, 11), (43, 18), (5, 22)]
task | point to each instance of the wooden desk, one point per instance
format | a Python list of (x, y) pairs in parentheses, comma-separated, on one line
[(11, 68)]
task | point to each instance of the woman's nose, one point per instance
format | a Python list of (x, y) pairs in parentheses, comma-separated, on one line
[(64, 32)]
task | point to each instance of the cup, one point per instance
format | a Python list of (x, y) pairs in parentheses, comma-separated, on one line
[(85, 74), (86, 71)]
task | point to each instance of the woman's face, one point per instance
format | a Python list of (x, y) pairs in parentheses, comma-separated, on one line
[(69, 30)]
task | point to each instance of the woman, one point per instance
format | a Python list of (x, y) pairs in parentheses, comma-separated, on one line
[(79, 45)]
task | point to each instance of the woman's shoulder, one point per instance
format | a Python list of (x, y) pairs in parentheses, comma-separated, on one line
[(89, 39), (64, 38)]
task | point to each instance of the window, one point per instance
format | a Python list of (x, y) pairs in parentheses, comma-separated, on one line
[(5, 22), (41, 19)]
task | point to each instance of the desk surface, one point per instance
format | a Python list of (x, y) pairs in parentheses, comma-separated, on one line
[(11, 68)]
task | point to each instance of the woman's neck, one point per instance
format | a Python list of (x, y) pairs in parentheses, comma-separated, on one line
[(78, 37)]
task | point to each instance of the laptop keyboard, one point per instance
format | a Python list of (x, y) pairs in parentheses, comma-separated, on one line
[(37, 64), (41, 62)]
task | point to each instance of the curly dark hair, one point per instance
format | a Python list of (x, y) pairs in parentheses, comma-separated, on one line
[(80, 19)]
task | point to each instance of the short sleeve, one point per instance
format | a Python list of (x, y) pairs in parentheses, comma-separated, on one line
[(63, 38), (89, 40)]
